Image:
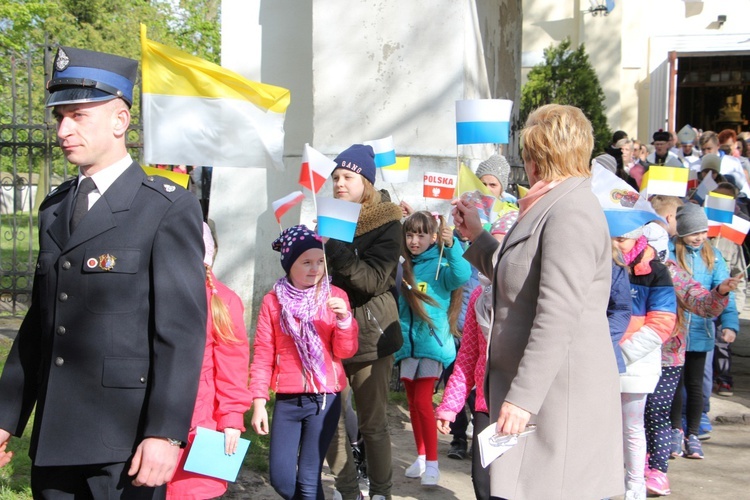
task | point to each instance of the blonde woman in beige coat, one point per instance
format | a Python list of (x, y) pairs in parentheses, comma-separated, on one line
[(550, 358)]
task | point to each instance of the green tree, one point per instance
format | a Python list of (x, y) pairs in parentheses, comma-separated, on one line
[(28, 26), (567, 77)]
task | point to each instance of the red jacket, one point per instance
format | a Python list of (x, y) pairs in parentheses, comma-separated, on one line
[(223, 396), (276, 363)]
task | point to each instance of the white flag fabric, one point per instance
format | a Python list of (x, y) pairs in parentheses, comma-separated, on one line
[(197, 113)]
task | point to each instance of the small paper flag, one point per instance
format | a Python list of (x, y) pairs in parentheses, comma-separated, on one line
[(482, 121), (707, 185), (385, 153), (719, 207), (714, 229), (337, 219), (668, 181), (438, 185), (468, 182), (282, 205), (736, 231), (397, 173), (316, 168)]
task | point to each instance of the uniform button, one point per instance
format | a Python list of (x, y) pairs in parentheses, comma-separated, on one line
[(61, 330), (63, 297), (38, 265), (59, 361), (143, 380), (66, 265)]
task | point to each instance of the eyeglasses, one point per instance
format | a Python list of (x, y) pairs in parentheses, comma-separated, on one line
[(511, 439)]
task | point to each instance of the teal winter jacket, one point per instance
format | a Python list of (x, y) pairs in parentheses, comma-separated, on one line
[(421, 340), (701, 331)]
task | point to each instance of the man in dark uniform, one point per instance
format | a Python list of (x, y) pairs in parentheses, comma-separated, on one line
[(111, 347), (662, 155)]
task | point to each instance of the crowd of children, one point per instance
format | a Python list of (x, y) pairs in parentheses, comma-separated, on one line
[(672, 305)]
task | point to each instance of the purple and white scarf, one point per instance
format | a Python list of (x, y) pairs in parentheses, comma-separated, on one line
[(298, 310)]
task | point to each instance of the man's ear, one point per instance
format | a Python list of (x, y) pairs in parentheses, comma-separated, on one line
[(121, 120)]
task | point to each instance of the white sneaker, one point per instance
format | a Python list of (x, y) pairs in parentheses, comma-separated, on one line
[(377, 497), (431, 476), (634, 495), (337, 495), (416, 469)]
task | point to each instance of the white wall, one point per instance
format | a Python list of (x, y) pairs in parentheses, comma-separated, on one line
[(357, 71)]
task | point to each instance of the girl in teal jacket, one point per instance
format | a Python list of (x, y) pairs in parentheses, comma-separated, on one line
[(429, 304)]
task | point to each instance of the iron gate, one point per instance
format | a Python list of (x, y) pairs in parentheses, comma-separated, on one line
[(31, 164)]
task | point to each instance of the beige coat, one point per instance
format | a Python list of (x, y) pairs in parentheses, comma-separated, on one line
[(550, 352)]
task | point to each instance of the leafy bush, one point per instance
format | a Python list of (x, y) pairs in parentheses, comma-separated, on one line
[(567, 77)]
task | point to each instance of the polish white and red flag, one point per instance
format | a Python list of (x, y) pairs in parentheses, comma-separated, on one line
[(282, 205), (316, 168), (438, 185), (735, 231)]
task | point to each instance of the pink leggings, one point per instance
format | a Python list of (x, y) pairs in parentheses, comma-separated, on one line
[(419, 394)]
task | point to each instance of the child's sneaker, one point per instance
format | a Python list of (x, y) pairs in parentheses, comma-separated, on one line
[(676, 446), (635, 492), (657, 483), (431, 476), (416, 469), (724, 389), (693, 447)]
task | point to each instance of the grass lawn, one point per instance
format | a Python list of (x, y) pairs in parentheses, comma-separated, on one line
[(14, 477), (24, 235), (256, 459), (19, 247)]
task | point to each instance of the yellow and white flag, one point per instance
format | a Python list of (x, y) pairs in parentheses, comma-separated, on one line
[(669, 181), (197, 113)]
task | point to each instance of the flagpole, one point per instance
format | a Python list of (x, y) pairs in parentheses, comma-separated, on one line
[(312, 185), (315, 204), (395, 192), (325, 267), (458, 173), (440, 258)]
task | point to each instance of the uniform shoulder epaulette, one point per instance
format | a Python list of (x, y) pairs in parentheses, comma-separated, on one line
[(60, 190), (165, 186)]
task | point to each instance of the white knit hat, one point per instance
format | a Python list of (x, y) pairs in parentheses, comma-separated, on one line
[(496, 166)]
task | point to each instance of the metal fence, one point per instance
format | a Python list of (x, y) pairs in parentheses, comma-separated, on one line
[(26, 163), (31, 164)]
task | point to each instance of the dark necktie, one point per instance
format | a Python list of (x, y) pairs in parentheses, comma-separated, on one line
[(81, 202)]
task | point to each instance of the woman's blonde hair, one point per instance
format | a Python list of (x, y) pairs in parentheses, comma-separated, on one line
[(559, 139), (222, 321)]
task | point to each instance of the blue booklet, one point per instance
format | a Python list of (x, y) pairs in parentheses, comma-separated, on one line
[(207, 457)]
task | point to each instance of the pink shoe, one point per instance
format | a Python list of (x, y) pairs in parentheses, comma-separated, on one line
[(657, 483)]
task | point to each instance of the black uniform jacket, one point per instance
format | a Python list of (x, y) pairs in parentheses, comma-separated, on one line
[(111, 347)]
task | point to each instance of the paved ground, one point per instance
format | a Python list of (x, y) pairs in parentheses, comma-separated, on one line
[(723, 474)]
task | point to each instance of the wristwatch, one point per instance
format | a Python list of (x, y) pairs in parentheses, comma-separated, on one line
[(174, 442)]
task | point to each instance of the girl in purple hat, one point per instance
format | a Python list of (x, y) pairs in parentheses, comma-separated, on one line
[(304, 330)]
